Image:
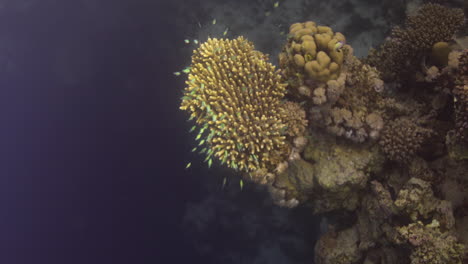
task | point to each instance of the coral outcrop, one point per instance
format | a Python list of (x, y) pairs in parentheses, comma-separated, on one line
[(399, 57)]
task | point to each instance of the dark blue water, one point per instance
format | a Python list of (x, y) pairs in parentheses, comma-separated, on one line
[(91, 144)]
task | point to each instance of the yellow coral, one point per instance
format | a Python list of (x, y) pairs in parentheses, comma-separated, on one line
[(235, 94), (313, 50)]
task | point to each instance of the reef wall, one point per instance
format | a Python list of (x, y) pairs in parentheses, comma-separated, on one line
[(377, 145)]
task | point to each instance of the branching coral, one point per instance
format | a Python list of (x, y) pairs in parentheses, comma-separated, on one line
[(402, 53), (235, 95)]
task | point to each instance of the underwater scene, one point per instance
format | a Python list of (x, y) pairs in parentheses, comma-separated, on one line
[(233, 132), (339, 131)]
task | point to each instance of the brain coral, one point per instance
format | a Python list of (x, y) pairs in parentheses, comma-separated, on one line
[(402, 53), (235, 95)]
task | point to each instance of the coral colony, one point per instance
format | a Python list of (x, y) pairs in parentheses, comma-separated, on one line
[(377, 145)]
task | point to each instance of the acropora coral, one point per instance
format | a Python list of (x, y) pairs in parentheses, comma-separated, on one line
[(235, 94)]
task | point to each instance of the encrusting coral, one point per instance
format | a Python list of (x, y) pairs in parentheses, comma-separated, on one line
[(235, 95)]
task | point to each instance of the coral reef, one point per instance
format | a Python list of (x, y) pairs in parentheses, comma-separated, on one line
[(430, 245), (384, 162), (400, 56), (322, 72)]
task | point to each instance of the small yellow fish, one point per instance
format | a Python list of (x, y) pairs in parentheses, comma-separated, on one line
[(209, 163), (241, 184), (224, 182), (225, 32), (214, 21), (188, 165), (276, 5), (338, 45), (187, 41), (195, 41), (186, 70), (176, 73)]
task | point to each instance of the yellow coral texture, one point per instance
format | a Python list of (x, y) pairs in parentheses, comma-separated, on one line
[(317, 50), (234, 94)]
